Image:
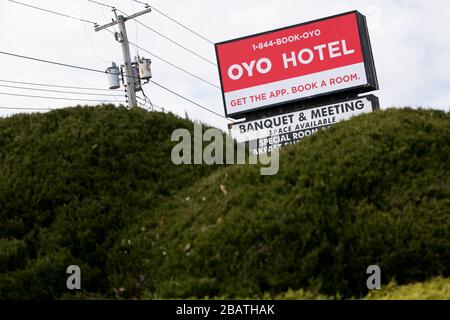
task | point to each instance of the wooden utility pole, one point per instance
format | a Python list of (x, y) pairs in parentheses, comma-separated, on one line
[(131, 81)]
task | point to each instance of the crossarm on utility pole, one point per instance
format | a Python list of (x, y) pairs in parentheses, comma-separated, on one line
[(97, 29), (135, 15)]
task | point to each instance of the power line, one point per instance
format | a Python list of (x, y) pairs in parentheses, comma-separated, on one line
[(175, 66), (102, 4), (176, 43), (146, 98), (152, 105), (50, 62), (169, 63), (143, 106), (56, 98), (24, 108), (177, 22), (61, 91), (54, 85), (189, 100), (54, 12), (172, 41), (94, 70), (94, 23), (135, 28), (145, 4), (103, 12), (157, 32), (89, 69), (57, 63), (92, 46)]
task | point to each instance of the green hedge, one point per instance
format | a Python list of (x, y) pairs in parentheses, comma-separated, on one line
[(96, 187), (372, 190), (435, 289), (12, 254), (71, 181)]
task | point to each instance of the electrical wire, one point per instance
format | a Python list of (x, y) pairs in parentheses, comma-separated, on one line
[(50, 62), (152, 107), (169, 63), (92, 46), (146, 4), (161, 35), (143, 103), (94, 70), (24, 108), (146, 98), (189, 100), (102, 4), (103, 12), (83, 20), (61, 91), (58, 63), (143, 106), (177, 22), (50, 11), (94, 23), (55, 98), (175, 66), (136, 29), (176, 43), (54, 85)]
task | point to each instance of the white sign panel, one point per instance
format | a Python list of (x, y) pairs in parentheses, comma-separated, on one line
[(276, 131)]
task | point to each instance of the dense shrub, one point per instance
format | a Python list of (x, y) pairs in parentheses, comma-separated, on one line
[(96, 187), (71, 181), (435, 289), (373, 190), (42, 278), (12, 254)]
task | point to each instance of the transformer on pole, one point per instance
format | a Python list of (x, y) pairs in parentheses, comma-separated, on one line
[(132, 79)]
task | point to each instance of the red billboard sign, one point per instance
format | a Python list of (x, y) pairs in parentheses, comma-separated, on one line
[(295, 63)]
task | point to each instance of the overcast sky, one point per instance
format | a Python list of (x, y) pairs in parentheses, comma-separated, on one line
[(410, 40)]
